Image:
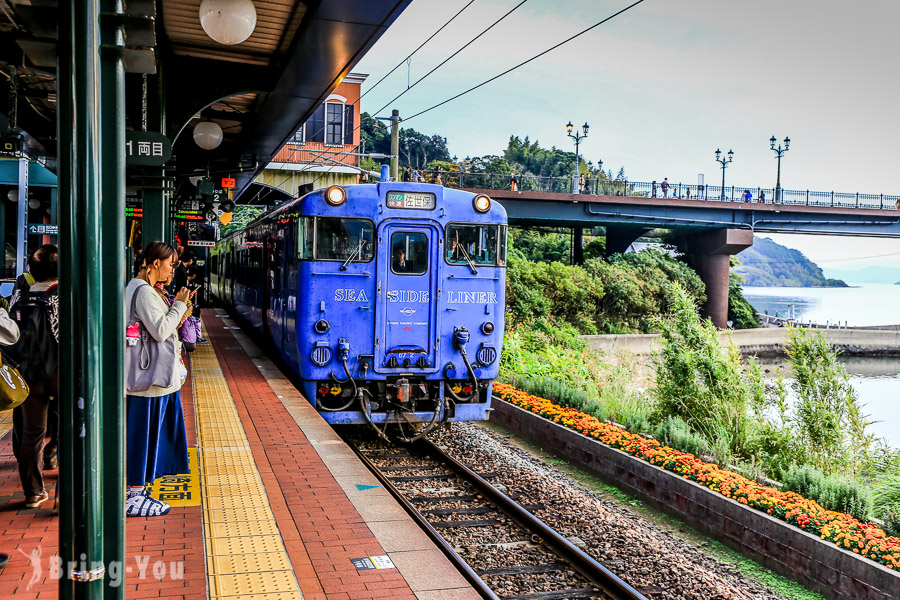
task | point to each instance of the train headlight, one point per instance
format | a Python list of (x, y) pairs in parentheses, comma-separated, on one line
[(335, 195), (482, 204)]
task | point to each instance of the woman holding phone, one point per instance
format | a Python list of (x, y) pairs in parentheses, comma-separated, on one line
[(155, 437)]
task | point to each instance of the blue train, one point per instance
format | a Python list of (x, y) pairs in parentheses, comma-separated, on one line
[(386, 299)]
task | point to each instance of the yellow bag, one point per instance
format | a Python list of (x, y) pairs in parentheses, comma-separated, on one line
[(13, 389)]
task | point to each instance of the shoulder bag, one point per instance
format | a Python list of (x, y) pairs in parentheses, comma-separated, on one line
[(13, 389), (148, 363)]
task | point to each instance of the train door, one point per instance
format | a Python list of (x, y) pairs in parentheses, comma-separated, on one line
[(406, 314), (273, 300)]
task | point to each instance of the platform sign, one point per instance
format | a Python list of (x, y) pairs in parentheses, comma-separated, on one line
[(367, 563), (147, 148), (42, 229), (228, 183), (201, 243)]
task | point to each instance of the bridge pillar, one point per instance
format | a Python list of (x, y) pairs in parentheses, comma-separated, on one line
[(711, 256), (619, 238), (578, 246)]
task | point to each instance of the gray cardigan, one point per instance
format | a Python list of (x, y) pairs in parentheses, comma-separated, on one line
[(161, 322)]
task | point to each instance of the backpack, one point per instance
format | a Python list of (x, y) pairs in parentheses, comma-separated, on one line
[(37, 351)]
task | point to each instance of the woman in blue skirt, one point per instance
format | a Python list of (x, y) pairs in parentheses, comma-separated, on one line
[(155, 438)]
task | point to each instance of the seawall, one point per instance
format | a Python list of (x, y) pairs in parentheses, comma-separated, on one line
[(764, 341)]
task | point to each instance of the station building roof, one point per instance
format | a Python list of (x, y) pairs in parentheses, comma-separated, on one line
[(259, 91)]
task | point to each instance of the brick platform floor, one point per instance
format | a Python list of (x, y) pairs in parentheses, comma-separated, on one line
[(321, 528), (175, 537)]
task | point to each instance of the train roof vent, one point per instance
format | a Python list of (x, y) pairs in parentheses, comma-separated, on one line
[(320, 355), (486, 355)]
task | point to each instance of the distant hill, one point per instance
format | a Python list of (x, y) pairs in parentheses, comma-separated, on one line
[(767, 264)]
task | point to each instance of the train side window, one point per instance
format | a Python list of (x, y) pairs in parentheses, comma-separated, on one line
[(409, 253), (305, 237), (501, 253), (344, 239), (480, 244)]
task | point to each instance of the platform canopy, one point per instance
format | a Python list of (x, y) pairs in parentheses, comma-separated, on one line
[(259, 91)]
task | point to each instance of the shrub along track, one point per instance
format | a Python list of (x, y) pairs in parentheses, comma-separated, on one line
[(655, 562)]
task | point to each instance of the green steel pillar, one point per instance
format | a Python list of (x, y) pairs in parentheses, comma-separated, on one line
[(112, 301), (53, 212), (156, 223), (81, 524)]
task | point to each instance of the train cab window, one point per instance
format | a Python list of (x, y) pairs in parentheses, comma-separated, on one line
[(478, 244), (409, 253), (344, 239)]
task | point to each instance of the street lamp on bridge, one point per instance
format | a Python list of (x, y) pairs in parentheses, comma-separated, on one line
[(577, 137), (779, 152), (724, 162)]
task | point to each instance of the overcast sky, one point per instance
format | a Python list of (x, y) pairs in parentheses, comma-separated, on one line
[(665, 84)]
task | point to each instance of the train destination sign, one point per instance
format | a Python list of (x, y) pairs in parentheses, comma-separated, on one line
[(418, 200)]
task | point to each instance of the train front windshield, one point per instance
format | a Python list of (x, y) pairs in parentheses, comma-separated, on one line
[(334, 238), (483, 244)]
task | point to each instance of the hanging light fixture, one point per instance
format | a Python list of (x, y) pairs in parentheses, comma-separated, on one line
[(208, 135), (228, 21), (13, 195), (34, 204)]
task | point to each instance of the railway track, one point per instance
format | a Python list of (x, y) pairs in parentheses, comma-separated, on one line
[(501, 548)]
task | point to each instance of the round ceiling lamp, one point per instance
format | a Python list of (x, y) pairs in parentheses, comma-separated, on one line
[(13, 195), (228, 21), (34, 204), (208, 135)]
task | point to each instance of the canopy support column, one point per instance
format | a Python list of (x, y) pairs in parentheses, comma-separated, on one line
[(81, 524)]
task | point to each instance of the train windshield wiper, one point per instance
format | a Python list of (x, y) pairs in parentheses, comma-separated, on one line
[(356, 252), (468, 258)]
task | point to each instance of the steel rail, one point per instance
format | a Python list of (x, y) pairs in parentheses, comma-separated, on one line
[(471, 576), (607, 581)]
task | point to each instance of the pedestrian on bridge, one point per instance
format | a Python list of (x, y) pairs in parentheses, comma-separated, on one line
[(587, 182), (762, 196), (748, 197), (653, 189), (665, 187), (513, 183)]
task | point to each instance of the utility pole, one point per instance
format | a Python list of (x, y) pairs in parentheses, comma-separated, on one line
[(395, 144)]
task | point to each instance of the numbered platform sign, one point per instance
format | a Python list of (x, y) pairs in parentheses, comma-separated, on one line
[(147, 148)]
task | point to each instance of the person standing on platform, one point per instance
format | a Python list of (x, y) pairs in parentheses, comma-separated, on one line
[(36, 311), (9, 334), (155, 435), (407, 175)]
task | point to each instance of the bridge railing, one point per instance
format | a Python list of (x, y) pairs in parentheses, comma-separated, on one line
[(657, 189)]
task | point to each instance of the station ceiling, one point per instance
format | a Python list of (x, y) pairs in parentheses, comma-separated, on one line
[(259, 91)]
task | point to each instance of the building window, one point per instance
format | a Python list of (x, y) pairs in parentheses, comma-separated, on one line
[(315, 127), (335, 124), (299, 137), (348, 124)]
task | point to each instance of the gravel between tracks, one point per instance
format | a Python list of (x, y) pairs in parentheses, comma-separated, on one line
[(635, 549)]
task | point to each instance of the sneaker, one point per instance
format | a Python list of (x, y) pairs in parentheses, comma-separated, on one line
[(131, 493), (145, 506), (35, 501)]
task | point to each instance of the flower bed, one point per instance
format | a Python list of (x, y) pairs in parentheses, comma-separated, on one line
[(865, 539)]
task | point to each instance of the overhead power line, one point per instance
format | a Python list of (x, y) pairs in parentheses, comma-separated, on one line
[(449, 58), (523, 63), (400, 64)]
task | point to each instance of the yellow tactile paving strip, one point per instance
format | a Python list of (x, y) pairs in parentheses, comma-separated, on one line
[(245, 554), (5, 422)]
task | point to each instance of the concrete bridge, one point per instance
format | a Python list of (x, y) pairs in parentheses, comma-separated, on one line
[(708, 230)]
